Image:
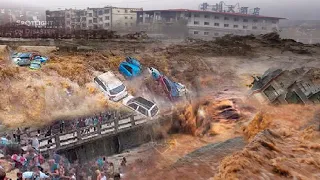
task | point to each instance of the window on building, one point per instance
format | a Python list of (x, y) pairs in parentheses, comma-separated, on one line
[(226, 18), (236, 19), (107, 17), (196, 15), (235, 26), (68, 15), (107, 24), (78, 26), (206, 23), (254, 27), (126, 17), (264, 28), (131, 24), (226, 25), (196, 22), (206, 33), (245, 27), (68, 23), (118, 11), (95, 20), (84, 25), (216, 24), (216, 34), (131, 17), (100, 12), (100, 19), (90, 21), (207, 16), (195, 32), (274, 22), (106, 11), (126, 11), (126, 24), (84, 18), (95, 27), (255, 20), (271, 93), (245, 20), (216, 17), (90, 14)]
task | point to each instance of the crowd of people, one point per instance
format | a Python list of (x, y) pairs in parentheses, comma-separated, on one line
[(32, 165)]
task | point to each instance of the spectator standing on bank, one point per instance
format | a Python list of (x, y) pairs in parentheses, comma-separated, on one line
[(18, 135), (35, 142)]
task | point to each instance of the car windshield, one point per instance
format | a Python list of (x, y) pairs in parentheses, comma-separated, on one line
[(117, 90), (15, 55), (154, 111)]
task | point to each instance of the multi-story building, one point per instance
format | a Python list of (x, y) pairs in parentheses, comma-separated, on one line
[(16, 15), (56, 19), (276, 86), (123, 18), (209, 24), (94, 18)]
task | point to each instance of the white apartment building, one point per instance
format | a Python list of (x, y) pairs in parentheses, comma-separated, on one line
[(107, 18), (90, 18), (210, 24), (123, 18), (215, 24)]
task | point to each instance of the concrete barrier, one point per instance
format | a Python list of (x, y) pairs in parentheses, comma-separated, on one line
[(111, 144)]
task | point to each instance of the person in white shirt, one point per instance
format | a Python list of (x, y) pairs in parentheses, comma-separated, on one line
[(35, 174), (103, 176), (35, 142)]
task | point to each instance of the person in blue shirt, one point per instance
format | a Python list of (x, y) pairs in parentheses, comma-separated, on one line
[(35, 174)]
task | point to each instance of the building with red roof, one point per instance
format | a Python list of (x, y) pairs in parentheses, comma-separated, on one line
[(207, 24)]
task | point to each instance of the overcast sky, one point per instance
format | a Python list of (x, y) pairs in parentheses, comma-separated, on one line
[(291, 9)]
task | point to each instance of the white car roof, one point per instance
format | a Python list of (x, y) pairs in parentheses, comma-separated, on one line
[(110, 80)]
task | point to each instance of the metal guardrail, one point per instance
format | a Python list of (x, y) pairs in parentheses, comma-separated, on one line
[(89, 133)]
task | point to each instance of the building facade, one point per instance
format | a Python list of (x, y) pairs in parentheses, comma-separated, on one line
[(286, 87), (106, 18), (210, 24), (124, 18), (19, 16)]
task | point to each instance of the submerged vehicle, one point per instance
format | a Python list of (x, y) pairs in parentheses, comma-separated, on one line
[(15, 55), (22, 59), (130, 68), (35, 65), (173, 89), (142, 105), (42, 59), (111, 86)]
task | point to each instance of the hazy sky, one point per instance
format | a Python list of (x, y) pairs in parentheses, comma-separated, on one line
[(291, 9)]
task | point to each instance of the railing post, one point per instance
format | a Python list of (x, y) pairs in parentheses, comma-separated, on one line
[(99, 128), (116, 124), (79, 134), (57, 140), (132, 120)]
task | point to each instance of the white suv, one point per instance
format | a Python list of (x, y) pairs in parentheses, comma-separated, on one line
[(111, 86), (142, 105)]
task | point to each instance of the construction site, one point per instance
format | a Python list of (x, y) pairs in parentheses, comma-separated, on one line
[(239, 120)]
